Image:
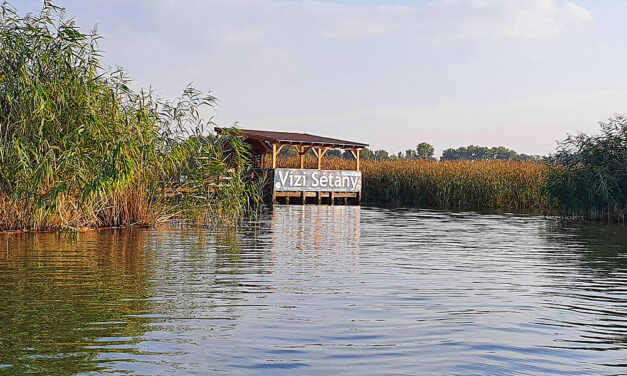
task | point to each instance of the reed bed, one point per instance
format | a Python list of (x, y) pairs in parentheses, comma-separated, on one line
[(589, 174), (456, 185), (80, 149)]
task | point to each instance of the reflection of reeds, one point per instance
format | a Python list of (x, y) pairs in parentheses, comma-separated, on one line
[(466, 185), (61, 294)]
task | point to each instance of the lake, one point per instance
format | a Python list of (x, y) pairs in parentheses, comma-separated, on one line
[(310, 290)]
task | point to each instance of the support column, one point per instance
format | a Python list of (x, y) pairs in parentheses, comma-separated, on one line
[(274, 152), (355, 154), (320, 152)]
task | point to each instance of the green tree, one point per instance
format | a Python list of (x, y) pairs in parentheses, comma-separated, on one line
[(334, 153), (381, 155), (475, 153), (424, 151), (411, 155), (366, 153)]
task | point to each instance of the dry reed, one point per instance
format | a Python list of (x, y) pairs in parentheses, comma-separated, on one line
[(457, 185)]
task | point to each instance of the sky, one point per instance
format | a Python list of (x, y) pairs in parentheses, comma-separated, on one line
[(517, 73)]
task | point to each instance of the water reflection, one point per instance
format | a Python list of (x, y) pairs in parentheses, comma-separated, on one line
[(312, 290), (62, 300), (319, 227), (588, 269), (317, 232)]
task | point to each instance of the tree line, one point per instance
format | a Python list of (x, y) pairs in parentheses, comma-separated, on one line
[(426, 151)]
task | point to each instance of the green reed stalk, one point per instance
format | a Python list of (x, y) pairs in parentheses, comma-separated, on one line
[(79, 148)]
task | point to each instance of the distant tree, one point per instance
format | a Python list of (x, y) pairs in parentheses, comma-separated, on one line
[(410, 154), (453, 154), (288, 152), (532, 158), (366, 153), (424, 151), (381, 155), (346, 154), (474, 153), (502, 153), (334, 153)]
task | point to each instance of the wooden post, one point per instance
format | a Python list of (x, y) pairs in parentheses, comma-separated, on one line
[(274, 152), (302, 150), (319, 155), (355, 154)]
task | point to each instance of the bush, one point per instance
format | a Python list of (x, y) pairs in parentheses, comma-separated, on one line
[(589, 177)]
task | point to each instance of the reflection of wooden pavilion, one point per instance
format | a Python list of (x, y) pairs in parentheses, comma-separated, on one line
[(268, 142)]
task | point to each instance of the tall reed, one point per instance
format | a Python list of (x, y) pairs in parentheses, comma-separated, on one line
[(589, 174), (458, 185), (79, 148)]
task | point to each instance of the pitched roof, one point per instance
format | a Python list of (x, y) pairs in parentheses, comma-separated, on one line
[(296, 138)]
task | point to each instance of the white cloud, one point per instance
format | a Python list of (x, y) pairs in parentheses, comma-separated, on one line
[(494, 19), (371, 70), (439, 19), (578, 12)]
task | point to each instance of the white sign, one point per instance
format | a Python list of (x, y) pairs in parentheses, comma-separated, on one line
[(297, 180)]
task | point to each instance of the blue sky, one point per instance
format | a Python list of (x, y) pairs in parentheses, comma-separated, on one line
[(518, 73)]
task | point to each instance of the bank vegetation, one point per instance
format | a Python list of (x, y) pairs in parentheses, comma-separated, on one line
[(454, 185), (589, 177), (79, 148)]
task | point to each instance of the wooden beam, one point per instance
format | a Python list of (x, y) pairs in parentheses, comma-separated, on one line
[(355, 154), (320, 153), (320, 159), (302, 150), (275, 153)]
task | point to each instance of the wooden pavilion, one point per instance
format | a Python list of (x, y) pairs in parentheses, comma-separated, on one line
[(304, 185)]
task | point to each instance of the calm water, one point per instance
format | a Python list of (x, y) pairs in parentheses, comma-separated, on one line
[(320, 290)]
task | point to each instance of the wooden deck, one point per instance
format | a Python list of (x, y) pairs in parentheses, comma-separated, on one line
[(319, 198)]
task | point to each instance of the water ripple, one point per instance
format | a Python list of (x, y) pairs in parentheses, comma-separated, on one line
[(313, 290)]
